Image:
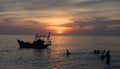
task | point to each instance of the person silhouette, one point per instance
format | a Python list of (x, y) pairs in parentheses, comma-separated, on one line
[(102, 57), (104, 51), (67, 53), (98, 52), (108, 56), (108, 52), (94, 52)]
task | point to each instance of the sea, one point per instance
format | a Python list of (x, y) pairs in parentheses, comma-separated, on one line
[(54, 57)]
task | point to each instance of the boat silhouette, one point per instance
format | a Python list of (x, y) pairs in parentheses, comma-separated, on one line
[(40, 42)]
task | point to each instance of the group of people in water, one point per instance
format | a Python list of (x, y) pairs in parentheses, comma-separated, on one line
[(104, 55)]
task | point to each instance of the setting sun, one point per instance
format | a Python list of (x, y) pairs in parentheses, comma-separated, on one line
[(60, 30)]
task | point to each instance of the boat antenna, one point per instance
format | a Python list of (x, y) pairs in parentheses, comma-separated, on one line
[(43, 32), (49, 35), (36, 36)]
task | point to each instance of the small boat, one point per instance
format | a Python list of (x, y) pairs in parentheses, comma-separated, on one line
[(40, 42)]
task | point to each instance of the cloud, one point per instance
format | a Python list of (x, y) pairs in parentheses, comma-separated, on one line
[(99, 26), (87, 28), (32, 4), (17, 26), (86, 16)]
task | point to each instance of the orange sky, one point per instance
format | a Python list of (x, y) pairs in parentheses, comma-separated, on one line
[(60, 16)]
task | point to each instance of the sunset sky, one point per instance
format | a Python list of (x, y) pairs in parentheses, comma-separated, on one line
[(70, 17)]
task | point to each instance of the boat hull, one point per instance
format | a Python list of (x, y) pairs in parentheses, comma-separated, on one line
[(23, 44)]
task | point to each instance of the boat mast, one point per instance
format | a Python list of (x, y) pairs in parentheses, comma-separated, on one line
[(48, 39), (43, 33), (36, 37)]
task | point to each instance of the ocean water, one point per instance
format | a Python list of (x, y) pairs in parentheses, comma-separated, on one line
[(54, 57)]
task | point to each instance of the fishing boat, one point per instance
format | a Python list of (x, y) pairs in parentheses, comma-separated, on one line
[(40, 42)]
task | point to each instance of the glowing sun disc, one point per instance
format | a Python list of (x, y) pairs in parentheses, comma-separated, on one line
[(59, 32)]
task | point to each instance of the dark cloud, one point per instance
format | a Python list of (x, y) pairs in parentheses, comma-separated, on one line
[(98, 21), (32, 4), (9, 20), (45, 4), (4, 29), (100, 27), (94, 2), (14, 26), (102, 15)]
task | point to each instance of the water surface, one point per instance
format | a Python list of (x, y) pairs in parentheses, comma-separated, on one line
[(81, 57)]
